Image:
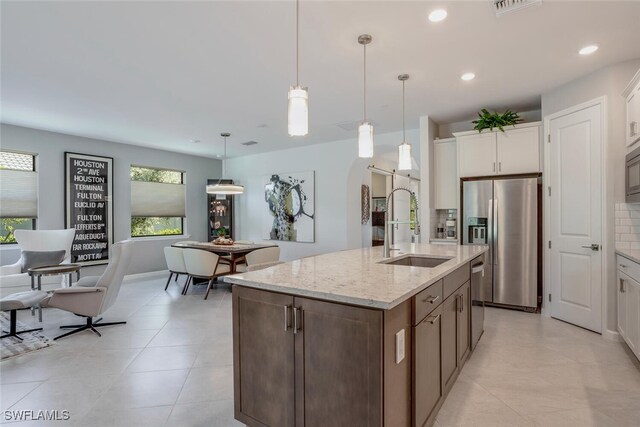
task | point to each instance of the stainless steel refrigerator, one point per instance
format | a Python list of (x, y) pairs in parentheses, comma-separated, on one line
[(504, 214)]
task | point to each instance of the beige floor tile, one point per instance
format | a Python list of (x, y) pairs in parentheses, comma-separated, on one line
[(207, 384), (164, 359), (100, 416), (207, 414), (10, 394), (583, 417), (76, 395), (145, 389)]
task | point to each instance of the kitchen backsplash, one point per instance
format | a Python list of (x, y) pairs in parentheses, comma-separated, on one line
[(627, 226)]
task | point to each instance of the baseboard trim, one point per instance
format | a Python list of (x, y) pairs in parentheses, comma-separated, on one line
[(612, 335), (145, 276)]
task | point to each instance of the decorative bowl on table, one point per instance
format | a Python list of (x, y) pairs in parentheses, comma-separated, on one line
[(224, 241)]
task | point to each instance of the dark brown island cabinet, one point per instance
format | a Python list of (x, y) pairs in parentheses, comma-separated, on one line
[(313, 363)]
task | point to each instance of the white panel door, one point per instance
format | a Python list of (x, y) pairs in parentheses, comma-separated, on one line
[(477, 154), (519, 151), (445, 175), (576, 217), (401, 210)]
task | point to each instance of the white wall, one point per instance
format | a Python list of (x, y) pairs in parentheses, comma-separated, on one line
[(339, 174), (608, 82), (50, 148)]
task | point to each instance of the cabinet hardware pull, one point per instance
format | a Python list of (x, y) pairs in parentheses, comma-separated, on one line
[(430, 299), (622, 286), (287, 322), (494, 166), (461, 303), (622, 265), (295, 320), (433, 319), (499, 166)]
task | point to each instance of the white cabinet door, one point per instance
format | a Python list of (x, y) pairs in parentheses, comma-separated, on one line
[(477, 154), (519, 151), (623, 284), (633, 110), (633, 316), (445, 175)]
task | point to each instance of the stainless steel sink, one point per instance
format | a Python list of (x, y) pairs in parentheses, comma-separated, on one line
[(417, 261)]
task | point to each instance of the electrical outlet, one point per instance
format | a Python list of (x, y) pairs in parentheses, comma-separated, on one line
[(399, 346)]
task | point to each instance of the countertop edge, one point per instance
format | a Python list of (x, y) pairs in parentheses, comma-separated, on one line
[(631, 254), (367, 303)]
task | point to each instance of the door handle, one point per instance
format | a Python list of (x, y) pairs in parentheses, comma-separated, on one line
[(494, 166), (499, 166), (593, 247), (431, 299), (287, 321), (460, 303), (433, 319), (296, 326), (622, 286)]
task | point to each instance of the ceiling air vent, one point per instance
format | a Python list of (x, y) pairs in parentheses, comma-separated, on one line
[(248, 143), (506, 6)]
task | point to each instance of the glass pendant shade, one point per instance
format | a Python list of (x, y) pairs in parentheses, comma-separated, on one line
[(225, 189), (404, 157), (298, 111), (365, 140)]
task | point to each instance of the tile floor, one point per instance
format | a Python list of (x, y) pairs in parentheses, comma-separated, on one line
[(171, 365)]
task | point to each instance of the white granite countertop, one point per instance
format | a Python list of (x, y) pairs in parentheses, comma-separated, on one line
[(632, 254), (357, 277)]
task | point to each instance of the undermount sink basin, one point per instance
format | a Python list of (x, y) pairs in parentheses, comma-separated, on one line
[(417, 261)]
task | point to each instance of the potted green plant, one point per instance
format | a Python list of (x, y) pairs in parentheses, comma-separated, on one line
[(221, 232), (493, 120)]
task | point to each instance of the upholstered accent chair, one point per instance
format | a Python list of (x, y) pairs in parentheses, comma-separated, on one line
[(93, 295)]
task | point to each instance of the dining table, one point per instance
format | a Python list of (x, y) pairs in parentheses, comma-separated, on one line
[(234, 254)]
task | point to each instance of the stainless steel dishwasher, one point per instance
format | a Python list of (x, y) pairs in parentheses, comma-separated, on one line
[(477, 300)]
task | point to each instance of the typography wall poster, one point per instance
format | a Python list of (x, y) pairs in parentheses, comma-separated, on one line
[(89, 206)]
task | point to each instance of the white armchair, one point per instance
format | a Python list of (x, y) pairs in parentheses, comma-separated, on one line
[(12, 279)]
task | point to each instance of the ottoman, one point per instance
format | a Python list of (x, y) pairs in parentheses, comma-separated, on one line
[(19, 301)]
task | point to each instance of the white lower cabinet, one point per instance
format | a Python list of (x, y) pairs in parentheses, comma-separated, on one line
[(629, 303)]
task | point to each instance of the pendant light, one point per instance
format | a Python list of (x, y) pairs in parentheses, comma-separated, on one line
[(298, 114), (219, 187), (404, 149), (365, 130)]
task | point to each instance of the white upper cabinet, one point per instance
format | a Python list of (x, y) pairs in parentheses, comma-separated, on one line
[(632, 96), (519, 150), (477, 154), (514, 151), (445, 174)]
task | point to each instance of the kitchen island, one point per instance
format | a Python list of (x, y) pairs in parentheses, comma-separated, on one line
[(352, 339)]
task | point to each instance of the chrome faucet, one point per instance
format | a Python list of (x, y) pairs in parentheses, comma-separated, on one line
[(416, 229)]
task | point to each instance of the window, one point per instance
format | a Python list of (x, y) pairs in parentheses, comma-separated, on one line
[(18, 194), (157, 202)]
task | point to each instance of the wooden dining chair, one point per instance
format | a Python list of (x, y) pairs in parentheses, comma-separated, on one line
[(203, 264)]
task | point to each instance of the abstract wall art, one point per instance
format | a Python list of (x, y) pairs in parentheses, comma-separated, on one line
[(290, 205)]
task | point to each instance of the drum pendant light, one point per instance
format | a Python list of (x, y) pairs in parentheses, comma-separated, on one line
[(365, 130), (298, 114), (219, 187), (404, 149)]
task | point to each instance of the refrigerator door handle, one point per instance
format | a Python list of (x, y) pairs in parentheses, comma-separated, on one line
[(496, 248)]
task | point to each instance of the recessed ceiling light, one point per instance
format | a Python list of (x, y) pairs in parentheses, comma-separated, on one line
[(468, 76), (588, 50), (195, 141), (437, 15)]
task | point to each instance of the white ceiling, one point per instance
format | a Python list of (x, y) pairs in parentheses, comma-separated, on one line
[(163, 73)]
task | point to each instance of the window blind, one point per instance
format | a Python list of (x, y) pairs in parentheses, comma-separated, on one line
[(157, 199), (18, 194)]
